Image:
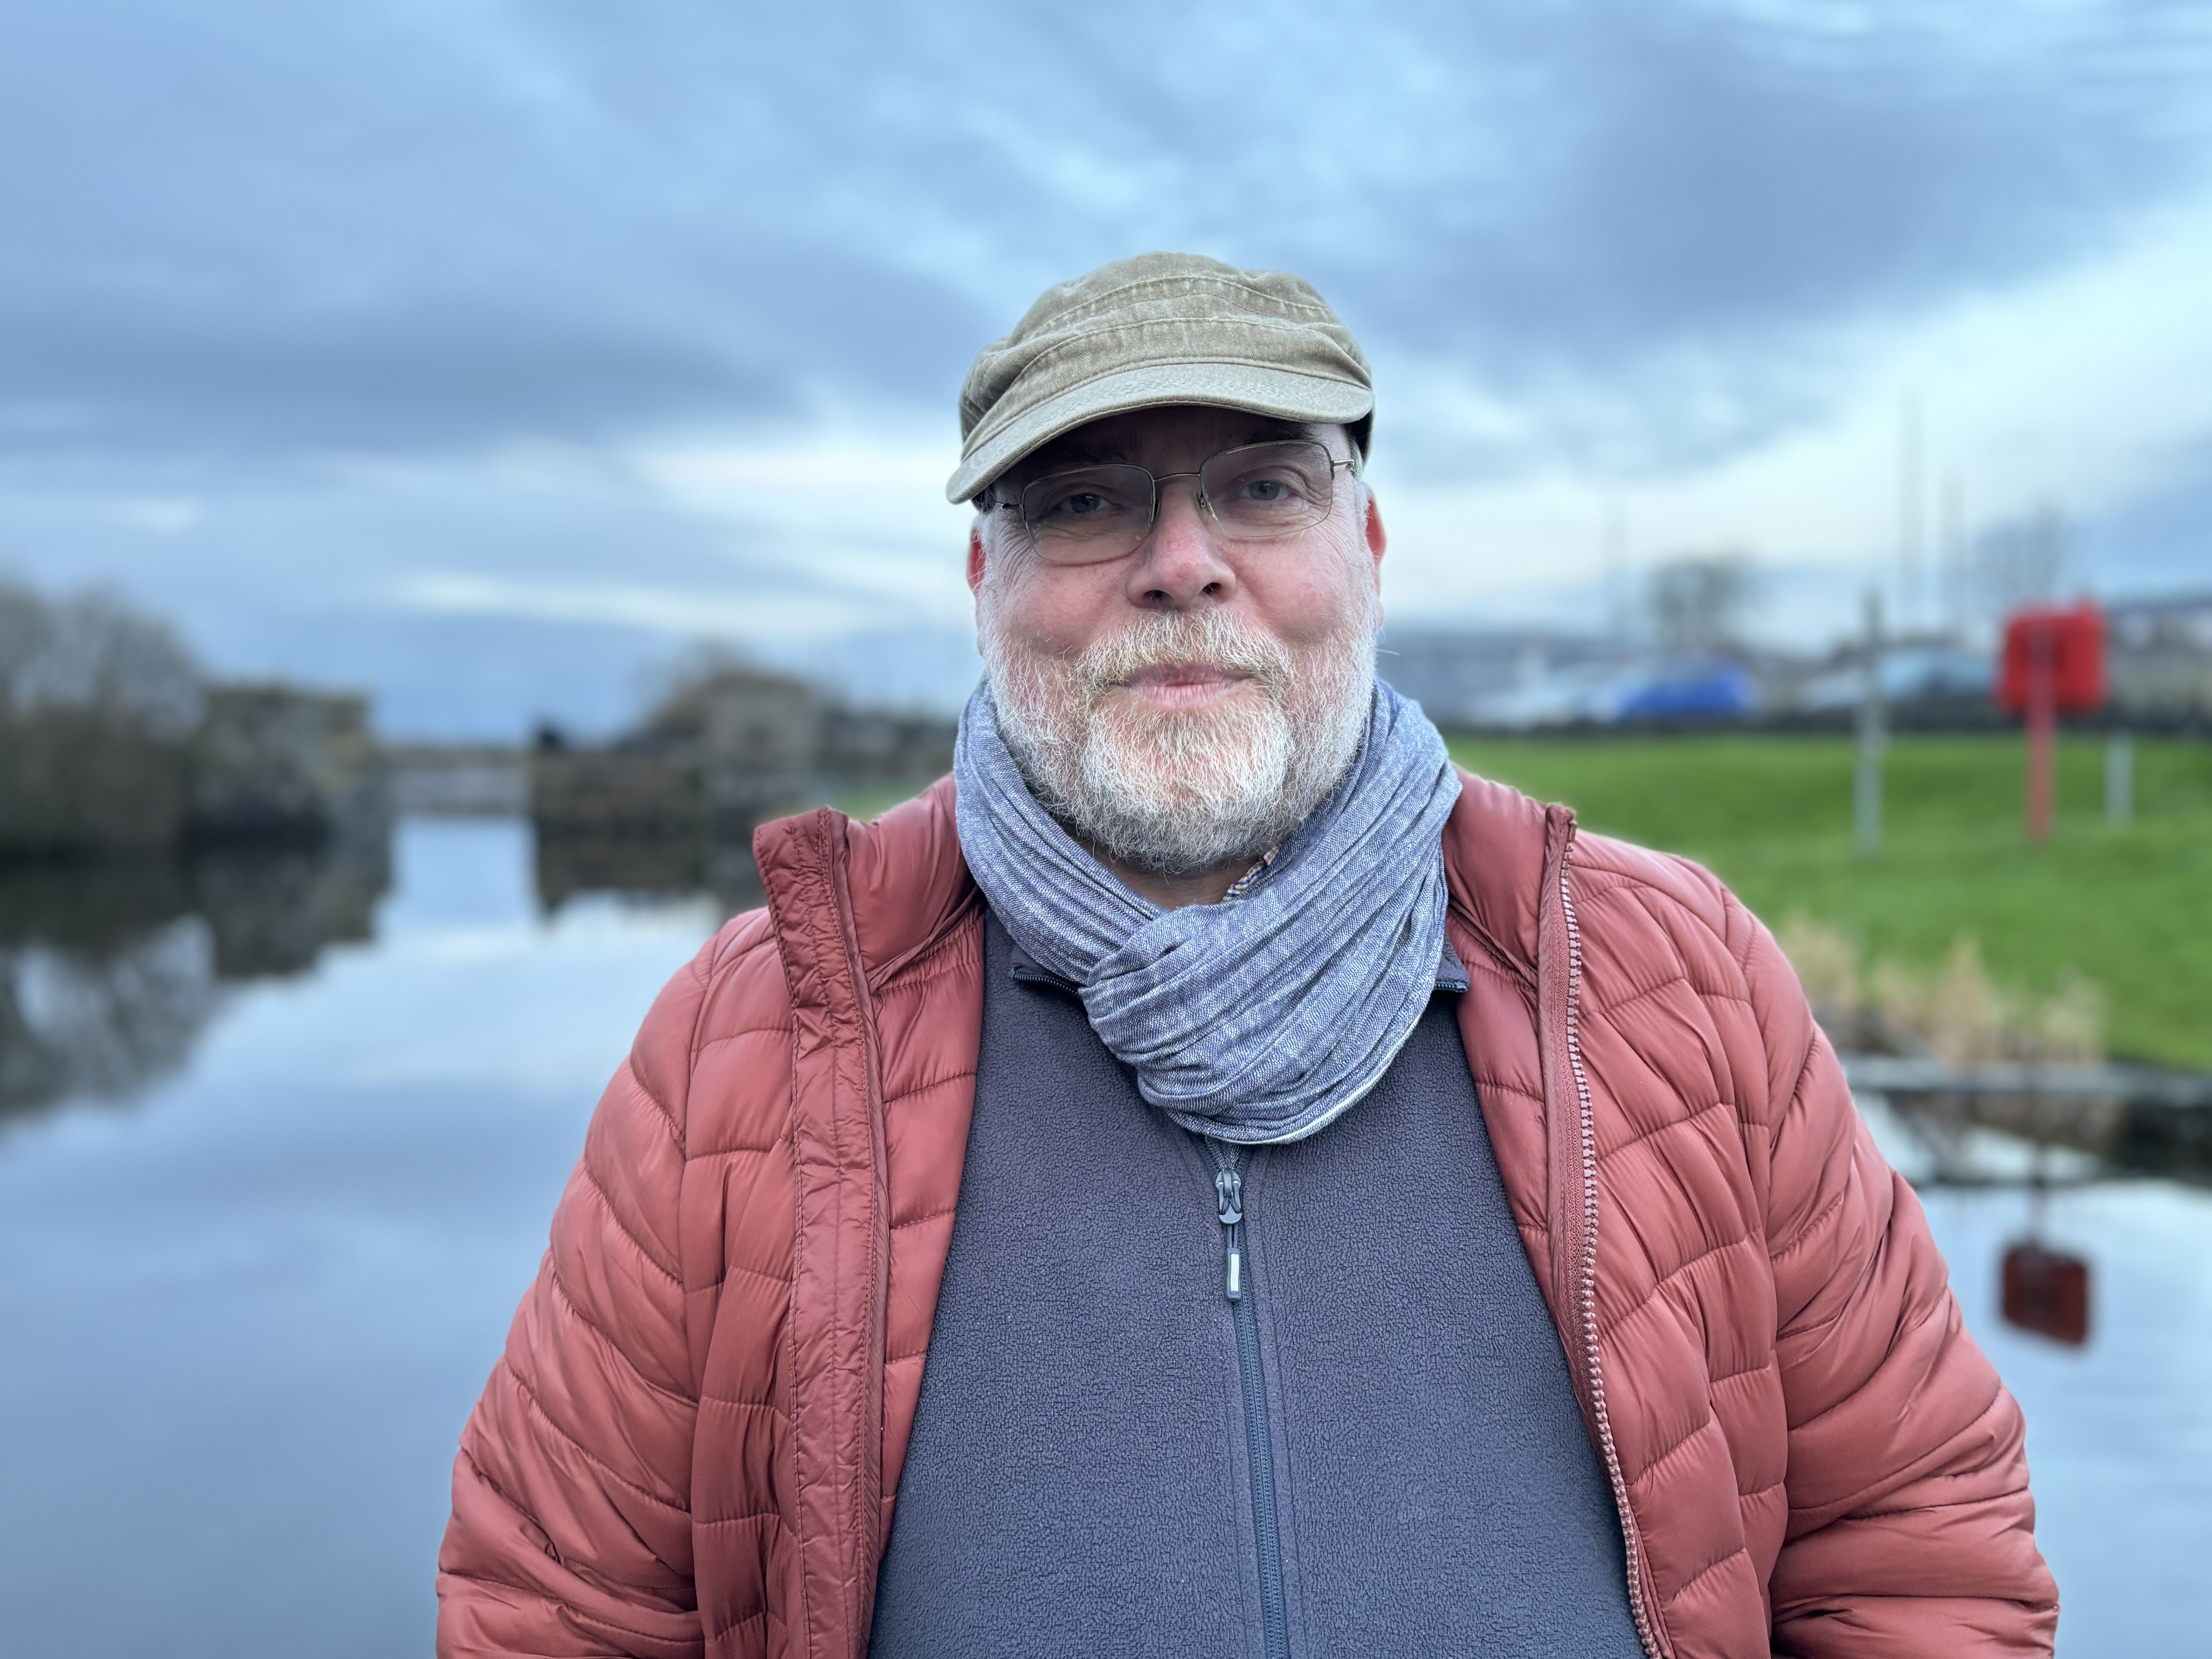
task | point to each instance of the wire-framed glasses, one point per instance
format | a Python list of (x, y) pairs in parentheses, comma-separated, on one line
[(1254, 493)]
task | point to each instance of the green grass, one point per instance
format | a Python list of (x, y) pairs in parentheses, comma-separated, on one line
[(2129, 906)]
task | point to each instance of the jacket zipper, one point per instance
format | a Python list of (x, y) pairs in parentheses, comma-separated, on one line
[(1230, 1164), (1586, 1284)]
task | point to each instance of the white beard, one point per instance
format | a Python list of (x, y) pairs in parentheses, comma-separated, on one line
[(1180, 792)]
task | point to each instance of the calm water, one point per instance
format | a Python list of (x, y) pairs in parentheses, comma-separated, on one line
[(270, 1188)]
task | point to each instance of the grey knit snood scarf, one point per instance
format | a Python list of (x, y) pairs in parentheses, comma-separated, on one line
[(1262, 1017)]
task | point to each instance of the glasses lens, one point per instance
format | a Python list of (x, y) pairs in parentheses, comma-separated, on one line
[(1265, 490), (1089, 513)]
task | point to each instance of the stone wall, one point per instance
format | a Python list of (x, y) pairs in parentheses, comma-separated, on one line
[(268, 761)]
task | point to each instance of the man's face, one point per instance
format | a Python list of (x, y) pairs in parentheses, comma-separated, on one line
[(1184, 707)]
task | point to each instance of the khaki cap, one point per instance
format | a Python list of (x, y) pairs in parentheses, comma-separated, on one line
[(1161, 328)]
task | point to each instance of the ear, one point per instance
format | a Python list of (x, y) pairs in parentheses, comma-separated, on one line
[(975, 557), (1376, 540)]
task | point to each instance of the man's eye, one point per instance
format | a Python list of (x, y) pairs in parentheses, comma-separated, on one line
[(1267, 490), (1087, 505)]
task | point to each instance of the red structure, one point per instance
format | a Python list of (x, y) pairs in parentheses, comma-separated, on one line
[(2054, 665)]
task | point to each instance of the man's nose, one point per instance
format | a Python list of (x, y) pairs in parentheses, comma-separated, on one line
[(1182, 561)]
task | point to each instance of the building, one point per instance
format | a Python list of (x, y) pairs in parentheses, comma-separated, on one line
[(2158, 664)]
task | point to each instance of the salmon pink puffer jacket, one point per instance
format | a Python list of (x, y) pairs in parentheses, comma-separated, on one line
[(692, 1443)]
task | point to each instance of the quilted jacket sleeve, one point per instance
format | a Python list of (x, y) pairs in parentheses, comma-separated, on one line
[(571, 1526), (1910, 1527)]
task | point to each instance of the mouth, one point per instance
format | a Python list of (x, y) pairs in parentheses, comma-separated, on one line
[(1182, 684)]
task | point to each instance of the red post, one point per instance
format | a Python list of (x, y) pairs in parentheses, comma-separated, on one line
[(2053, 665), (2042, 735)]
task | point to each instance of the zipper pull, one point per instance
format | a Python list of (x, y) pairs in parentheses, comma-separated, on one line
[(1229, 1199)]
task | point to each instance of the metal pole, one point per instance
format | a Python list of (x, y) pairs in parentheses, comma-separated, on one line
[(1866, 784), (1908, 514), (2119, 775), (1617, 604)]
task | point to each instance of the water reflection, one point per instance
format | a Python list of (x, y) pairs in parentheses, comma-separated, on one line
[(273, 910), (1968, 1141), (2045, 1291), (274, 1287), (568, 862), (1941, 1142), (100, 1025), (110, 969)]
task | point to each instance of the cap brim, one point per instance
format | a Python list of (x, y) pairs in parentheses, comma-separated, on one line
[(1285, 394)]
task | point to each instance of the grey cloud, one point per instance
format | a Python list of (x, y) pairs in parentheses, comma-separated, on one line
[(401, 230), (1689, 182)]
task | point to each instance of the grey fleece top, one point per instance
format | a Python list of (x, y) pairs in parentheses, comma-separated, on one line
[(1081, 1477)]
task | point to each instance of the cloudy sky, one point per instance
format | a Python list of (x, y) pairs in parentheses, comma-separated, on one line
[(486, 354)]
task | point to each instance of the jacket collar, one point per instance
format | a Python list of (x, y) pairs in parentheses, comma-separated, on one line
[(1495, 848), (908, 885)]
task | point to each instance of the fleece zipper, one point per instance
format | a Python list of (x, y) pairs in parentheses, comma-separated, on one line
[(1230, 1164)]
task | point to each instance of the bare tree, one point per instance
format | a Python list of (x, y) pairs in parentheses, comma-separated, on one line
[(91, 654), (2020, 562), (97, 706), (1699, 603)]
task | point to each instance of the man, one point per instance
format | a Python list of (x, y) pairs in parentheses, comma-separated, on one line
[(1241, 1185)]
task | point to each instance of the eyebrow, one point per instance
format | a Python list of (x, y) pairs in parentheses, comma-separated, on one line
[(1072, 454), (1064, 454)]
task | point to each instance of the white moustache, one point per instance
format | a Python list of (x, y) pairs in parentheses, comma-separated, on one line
[(1206, 640)]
